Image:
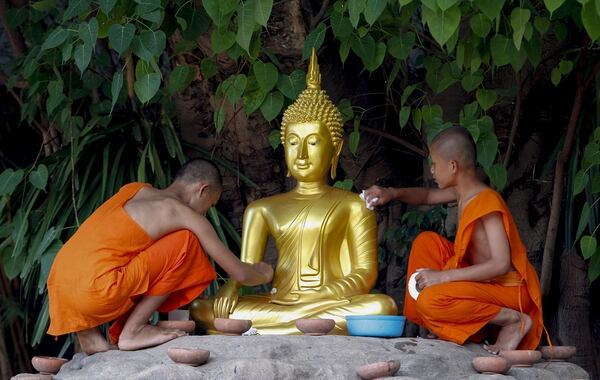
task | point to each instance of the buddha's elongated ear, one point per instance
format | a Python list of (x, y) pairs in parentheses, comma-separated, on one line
[(335, 159)]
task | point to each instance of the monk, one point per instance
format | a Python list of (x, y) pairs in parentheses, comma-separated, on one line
[(484, 277), (143, 250)]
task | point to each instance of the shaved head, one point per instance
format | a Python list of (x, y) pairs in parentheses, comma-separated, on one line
[(199, 170), (456, 143)]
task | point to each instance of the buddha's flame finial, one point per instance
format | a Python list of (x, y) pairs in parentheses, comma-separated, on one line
[(313, 78)]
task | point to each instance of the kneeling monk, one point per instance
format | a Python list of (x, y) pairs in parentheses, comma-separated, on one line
[(141, 251), (484, 277)]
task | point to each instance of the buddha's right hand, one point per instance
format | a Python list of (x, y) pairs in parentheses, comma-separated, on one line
[(226, 300)]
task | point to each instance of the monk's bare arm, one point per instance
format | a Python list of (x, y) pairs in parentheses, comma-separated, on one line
[(182, 217), (499, 261), (377, 195)]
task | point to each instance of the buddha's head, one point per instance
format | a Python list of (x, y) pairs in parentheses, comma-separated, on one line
[(311, 131)]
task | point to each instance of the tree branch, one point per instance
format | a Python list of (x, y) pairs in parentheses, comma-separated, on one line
[(515, 123), (398, 140), (16, 42), (315, 20)]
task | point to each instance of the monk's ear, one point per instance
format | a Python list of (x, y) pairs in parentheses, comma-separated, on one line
[(454, 166), (202, 189)]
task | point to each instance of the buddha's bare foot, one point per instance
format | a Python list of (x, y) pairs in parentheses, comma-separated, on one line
[(515, 326), (146, 336), (92, 341)]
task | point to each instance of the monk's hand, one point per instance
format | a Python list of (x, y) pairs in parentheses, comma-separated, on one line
[(428, 277), (265, 269), (226, 300), (377, 195)]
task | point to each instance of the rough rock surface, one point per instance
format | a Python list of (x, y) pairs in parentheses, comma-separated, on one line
[(302, 357)]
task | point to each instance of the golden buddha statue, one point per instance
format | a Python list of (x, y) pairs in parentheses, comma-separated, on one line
[(325, 236)]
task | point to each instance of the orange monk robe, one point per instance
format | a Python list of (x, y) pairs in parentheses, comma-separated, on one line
[(457, 311), (110, 262)]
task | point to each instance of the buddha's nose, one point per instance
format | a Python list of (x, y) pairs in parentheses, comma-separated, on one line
[(303, 151)]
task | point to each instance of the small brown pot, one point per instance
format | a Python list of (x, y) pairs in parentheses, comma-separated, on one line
[(557, 353), (232, 326), (190, 356), (521, 358), (379, 369), (315, 326), (187, 326), (47, 365), (490, 364)]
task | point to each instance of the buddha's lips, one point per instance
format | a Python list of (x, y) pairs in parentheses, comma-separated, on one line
[(302, 166)]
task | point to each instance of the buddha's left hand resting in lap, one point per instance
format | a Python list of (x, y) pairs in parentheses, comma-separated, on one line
[(325, 236)]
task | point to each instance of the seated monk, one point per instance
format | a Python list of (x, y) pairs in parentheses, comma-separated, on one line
[(141, 251), (325, 236), (484, 277)]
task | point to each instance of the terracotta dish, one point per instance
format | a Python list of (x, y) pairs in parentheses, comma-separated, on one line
[(47, 365), (557, 353), (521, 358), (232, 326), (315, 326), (189, 356), (490, 364), (379, 369)]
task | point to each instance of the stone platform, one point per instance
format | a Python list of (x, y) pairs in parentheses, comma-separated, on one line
[(302, 357)]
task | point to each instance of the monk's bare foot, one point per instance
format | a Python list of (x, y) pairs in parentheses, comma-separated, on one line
[(146, 336), (515, 326), (92, 341)]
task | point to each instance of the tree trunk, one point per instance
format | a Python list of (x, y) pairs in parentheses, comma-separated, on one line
[(573, 326)]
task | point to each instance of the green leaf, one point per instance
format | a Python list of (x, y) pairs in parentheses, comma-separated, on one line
[(583, 220), (588, 245), (219, 119), (57, 37), (340, 25), (272, 105), (519, 18), (15, 17), (253, 97), (446, 4), (314, 40), (345, 107), (486, 98), (498, 175), (442, 24), (490, 8), (291, 85), (208, 68), (55, 96), (82, 55), (374, 9), (39, 177), (555, 76), (355, 8), (266, 75), (408, 90), (220, 10), (234, 86), (107, 5), (275, 138), (146, 86), (590, 16), (138, 48), (345, 184), (417, 119), (553, 5), (502, 49), (246, 22), (354, 141), (43, 6), (565, 67), (472, 80), (75, 8), (480, 25), (542, 24), (404, 115), (9, 180), (579, 182), (67, 51), (262, 11), (120, 37), (88, 31), (221, 40), (180, 79), (115, 88), (154, 41), (487, 149), (400, 46)]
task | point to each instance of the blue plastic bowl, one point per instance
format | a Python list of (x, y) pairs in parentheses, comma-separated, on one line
[(387, 326)]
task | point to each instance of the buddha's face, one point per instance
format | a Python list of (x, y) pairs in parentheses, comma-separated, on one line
[(308, 151)]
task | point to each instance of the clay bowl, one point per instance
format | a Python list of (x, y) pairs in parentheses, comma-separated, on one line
[(521, 358), (315, 326), (187, 326), (47, 365), (490, 364), (557, 353), (379, 369), (232, 326), (190, 356)]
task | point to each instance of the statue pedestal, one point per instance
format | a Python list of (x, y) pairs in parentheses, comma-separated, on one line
[(267, 357)]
